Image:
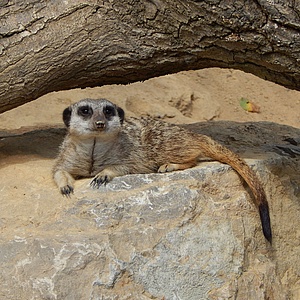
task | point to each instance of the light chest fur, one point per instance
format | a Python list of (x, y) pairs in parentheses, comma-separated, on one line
[(87, 157)]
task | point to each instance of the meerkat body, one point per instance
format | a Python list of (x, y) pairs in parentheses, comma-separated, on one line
[(100, 143)]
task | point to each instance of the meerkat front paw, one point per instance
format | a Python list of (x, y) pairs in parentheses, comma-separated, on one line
[(67, 190), (103, 177), (64, 181), (100, 179)]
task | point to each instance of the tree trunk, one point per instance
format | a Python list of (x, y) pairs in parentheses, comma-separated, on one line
[(55, 45)]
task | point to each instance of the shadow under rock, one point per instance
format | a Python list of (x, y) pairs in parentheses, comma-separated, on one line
[(39, 142), (250, 139)]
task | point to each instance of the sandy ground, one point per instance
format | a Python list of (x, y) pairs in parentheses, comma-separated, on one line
[(186, 97)]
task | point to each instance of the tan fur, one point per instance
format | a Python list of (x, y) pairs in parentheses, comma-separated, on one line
[(138, 145)]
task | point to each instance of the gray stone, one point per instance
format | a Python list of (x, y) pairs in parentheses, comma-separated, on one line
[(188, 235)]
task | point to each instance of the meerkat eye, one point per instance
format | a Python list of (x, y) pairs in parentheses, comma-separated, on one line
[(85, 111), (109, 111)]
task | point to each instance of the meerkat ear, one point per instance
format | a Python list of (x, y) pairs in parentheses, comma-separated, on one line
[(67, 115), (121, 113)]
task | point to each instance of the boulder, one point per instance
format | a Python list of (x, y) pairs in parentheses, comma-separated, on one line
[(190, 235)]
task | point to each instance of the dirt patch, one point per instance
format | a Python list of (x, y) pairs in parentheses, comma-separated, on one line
[(186, 97)]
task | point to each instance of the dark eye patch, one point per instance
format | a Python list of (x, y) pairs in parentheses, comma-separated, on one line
[(109, 111), (85, 111)]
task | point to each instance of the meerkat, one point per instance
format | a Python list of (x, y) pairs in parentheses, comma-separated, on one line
[(100, 143)]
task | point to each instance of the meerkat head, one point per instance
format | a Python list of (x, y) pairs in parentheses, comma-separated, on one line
[(92, 118)]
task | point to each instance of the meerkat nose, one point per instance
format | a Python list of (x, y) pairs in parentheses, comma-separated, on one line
[(100, 124)]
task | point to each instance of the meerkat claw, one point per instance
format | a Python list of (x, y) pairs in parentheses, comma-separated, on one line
[(67, 190), (98, 181)]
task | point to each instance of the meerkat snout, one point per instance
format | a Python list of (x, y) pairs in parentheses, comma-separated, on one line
[(99, 120), (100, 124)]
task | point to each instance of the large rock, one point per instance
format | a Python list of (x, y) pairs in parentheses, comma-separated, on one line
[(190, 235)]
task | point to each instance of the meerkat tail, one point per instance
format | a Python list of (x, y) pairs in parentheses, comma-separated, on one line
[(265, 221), (223, 154)]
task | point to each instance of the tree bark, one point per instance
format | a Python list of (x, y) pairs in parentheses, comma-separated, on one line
[(53, 45)]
